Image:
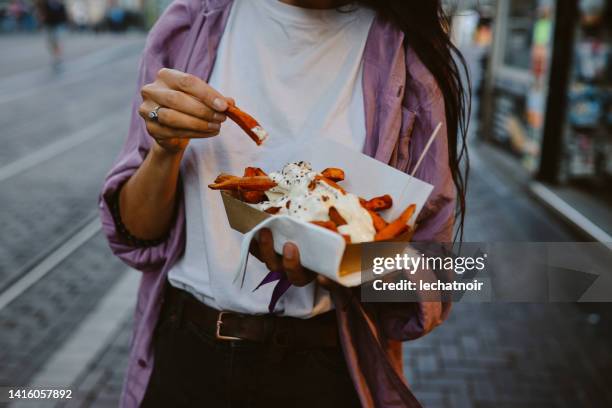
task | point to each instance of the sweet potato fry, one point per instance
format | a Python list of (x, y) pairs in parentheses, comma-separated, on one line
[(333, 173), (330, 182), (377, 220), (326, 224), (273, 210), (396, 227), (251, 127), (379, 203), (224, 177), (329, 225), (335, 217), (254, 171), (253, 197), (257, 183)]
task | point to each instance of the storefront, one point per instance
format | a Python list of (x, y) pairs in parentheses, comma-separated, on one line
[(549, 103)]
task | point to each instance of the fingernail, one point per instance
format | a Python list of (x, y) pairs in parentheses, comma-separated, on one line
[(213, 126), (220, 104), (290, 252), (219, 117)]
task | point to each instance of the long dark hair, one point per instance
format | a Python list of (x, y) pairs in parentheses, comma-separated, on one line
[(426, 29)]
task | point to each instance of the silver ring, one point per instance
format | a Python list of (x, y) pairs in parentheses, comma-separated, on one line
[(154, 114)]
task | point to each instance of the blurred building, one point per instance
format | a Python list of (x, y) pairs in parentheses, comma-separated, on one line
[(19, 15), (94, 13), (548, 103)]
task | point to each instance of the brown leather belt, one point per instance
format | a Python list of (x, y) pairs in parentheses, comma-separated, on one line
[(319, 331)]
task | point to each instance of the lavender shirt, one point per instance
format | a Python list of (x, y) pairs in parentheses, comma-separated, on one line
[(402, 105)]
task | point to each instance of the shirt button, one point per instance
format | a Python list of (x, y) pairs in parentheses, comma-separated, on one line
[(142, 363)]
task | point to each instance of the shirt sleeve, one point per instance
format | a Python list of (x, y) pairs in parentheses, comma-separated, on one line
[(406, 321), (161, 50)]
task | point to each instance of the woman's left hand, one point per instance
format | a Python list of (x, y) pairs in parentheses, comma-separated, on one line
[(288, 264)]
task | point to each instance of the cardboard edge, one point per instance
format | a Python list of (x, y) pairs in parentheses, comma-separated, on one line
[(243, 218)]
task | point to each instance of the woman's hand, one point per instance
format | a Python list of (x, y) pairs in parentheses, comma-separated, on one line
[(288, 263), (187, 108)]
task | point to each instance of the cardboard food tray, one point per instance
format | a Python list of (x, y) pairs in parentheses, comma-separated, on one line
[(243, 218), (320, 249)]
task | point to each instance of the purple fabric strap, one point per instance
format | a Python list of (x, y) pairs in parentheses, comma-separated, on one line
[(279, 290)]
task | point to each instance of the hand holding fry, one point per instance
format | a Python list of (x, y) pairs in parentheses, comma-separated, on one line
[(178, 107)]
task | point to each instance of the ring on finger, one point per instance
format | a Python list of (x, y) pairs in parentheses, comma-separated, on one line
[(154, 114)]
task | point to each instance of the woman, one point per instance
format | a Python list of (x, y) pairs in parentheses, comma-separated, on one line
[(375, 75)]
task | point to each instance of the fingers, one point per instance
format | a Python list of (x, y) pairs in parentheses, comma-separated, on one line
[(296, 274), (181, 102), (178, 120), (159, 131), (173, 124), (266, 251), (194, 86), (289, 263), (254, 249)]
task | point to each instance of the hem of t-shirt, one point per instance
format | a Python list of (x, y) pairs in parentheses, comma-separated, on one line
[(207, 300)]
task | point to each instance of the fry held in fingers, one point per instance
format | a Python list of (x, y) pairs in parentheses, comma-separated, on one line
[(250, 126)]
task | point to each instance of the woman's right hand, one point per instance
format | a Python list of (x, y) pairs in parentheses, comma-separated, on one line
[(189, 108)]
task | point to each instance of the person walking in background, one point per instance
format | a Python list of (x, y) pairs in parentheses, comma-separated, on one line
[(376, 76), (53, 16)]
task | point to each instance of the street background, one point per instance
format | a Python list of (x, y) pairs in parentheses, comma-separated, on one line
[(66, 302)]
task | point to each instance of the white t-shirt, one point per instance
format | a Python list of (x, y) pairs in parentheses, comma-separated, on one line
[(299, 72)]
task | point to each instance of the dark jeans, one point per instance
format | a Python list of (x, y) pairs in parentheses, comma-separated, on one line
[(193, 369)]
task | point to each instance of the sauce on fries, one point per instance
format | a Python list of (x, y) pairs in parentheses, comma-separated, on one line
[(299, 191)]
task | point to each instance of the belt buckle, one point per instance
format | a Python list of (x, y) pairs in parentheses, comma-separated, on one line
[(218, 334)]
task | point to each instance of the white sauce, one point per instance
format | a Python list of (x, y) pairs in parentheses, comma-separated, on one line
[(294, 197), (261, 133)]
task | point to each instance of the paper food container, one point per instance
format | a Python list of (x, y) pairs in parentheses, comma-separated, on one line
[(321, 250)]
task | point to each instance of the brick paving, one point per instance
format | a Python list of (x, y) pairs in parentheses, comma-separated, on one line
[(100, 385), (47, 202), (34, 325), (512, 355)]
